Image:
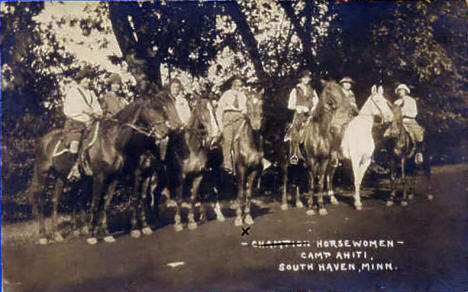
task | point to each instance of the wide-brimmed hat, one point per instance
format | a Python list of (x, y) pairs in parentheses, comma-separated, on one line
[(86, 72), (402, 86), (115, 78), (346, 79), (306, 73)]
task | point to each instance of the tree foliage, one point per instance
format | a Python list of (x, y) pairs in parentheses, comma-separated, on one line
[(204, 44)]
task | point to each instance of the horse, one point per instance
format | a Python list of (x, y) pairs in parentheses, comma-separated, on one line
[(246, 154), (186, 161), (104, 145), (321, 136), (358, 143), (400, 151)]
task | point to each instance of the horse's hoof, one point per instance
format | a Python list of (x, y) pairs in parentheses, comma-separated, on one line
[(323, 212), (284, 207), (109, 239), (389, 203), (192, 225), (248, 220), (310, 212), (85, 230), (43, 241), (147, 231), (334, 201), (358, 207), (410, 197), (92, 240), (135, 233), (238, 222), (220, 218), (404, 203), (299, 204), (58, 237), (178, 227), (430, 197)]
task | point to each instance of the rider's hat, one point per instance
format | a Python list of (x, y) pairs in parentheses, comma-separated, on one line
[(306, 73), (86, 72), (115, 78), (402, 86), (346, 79)]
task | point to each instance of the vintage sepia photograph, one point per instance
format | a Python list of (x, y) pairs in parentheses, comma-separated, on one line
[(254, 146)]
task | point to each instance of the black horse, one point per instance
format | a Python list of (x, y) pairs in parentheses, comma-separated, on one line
[(401, 158), (321, 138)]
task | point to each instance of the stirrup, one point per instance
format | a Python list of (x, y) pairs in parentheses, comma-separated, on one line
[(294, 160), (418, 158)]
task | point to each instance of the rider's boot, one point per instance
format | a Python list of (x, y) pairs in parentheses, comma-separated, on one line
[(74, 173), (418, 158)]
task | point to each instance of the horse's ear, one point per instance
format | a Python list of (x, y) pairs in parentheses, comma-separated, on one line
[(380, 90), (374, 89), (261, 92)]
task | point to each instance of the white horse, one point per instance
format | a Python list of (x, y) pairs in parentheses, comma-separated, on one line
[(358, 144)]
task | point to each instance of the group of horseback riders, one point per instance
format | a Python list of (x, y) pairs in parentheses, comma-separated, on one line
[(81, 106)]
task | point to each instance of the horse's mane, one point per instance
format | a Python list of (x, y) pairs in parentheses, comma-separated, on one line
[(329, 93), (127, 112)]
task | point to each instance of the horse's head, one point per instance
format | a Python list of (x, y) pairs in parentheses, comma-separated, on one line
[(156, 119), (204, 121), (335, 104), (396, 126), (163, 100), (255, 109), (377, 105)]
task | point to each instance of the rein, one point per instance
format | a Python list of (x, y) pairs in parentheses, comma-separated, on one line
[(141, 130)]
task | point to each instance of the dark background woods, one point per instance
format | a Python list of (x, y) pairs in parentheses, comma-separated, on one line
[(422, 44)]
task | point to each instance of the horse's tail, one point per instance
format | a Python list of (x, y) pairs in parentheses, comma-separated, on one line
[(42, 165)]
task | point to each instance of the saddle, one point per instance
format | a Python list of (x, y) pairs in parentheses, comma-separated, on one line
[(86, 141)]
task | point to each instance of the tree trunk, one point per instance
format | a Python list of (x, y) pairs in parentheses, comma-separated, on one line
[(250, 42), (302, 33)]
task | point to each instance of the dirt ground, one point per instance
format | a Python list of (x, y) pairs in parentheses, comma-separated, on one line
[(432, 255)]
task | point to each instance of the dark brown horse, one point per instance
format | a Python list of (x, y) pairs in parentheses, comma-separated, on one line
[(186, 160), (104, 148), (247, 154), (321, 136), (400, 153)]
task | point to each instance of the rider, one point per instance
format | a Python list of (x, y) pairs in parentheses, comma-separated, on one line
[(347, 83), (181, 103), (80, 105), (111, 103), (410, 111), (232, 99), (303, 100)]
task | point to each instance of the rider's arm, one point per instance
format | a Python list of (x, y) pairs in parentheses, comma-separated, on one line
[(292, 100), (96, 107), (410, 109), (242, 102), (74, 106)]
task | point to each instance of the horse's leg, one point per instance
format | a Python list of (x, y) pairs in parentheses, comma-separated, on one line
[(98, 181), (284, 200), (322, 172), (177, 217), (35, 194), (250, 181), (298, 197), (136, 198), (427, 173), (57, 191), (107, 199), (310, 199), (240, 178), (393, 185), (217, 207), (146, 188), (331, 193), (359, 169), (404, 201), (192, 224)]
